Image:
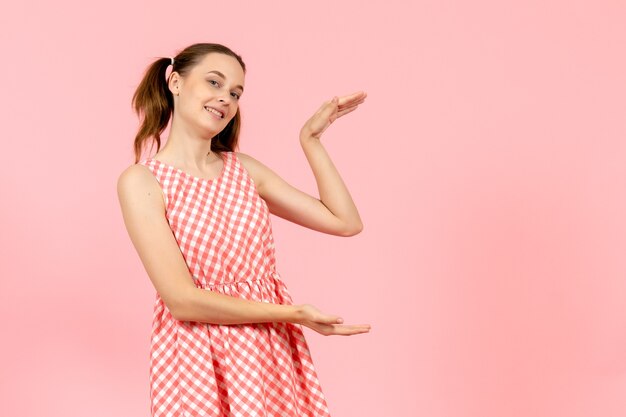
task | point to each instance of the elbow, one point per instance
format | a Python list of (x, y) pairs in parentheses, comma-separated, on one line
[(177, 312), (352, 230), (179, 309), (183, 313)]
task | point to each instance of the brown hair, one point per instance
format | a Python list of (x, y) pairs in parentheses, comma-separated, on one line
[(154, 99)]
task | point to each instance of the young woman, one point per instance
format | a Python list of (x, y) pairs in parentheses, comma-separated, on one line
[(226, 337)]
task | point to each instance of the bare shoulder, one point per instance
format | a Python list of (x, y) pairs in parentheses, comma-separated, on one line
[(247, 160), (137, 183), (257, 170)]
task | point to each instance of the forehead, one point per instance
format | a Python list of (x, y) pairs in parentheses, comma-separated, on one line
[(226, 64)]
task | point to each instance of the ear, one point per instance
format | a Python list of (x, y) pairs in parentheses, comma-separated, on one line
[(174, 83)]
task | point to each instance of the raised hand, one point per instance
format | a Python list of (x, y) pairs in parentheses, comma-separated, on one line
[(328, 324), (329, 112)]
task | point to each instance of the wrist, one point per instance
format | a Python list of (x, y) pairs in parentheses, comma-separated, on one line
[(307, 135), (307, 139), (293, 313)]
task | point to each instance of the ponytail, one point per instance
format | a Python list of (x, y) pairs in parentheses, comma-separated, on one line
[(154, 100)]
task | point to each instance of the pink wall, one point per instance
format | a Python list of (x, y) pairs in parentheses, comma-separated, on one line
[(487, 164)]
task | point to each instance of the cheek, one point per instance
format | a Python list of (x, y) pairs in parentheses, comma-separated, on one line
[(235, 110)]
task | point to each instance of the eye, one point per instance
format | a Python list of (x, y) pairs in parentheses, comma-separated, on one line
[(237, 96), (213, 82)]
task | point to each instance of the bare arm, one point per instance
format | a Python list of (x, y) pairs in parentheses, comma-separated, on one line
[(143, 210), (213, 307), (332, 190), (334, 212)]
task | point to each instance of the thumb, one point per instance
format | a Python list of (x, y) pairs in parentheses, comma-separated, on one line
[(332, 319), (330, 107)]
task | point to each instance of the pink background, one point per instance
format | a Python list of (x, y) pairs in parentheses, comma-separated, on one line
[(488, 164)]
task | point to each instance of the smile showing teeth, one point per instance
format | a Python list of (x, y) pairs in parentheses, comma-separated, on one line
[(210, 110)]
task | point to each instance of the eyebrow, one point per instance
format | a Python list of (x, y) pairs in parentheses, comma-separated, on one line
[(224, 77)]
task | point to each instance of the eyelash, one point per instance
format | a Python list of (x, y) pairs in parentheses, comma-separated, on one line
[(237, 95)]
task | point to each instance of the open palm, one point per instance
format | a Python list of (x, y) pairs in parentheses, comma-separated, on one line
[(328, 324), (331, 111)]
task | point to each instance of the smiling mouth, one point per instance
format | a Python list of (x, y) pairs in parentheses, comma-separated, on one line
[(215, 112)]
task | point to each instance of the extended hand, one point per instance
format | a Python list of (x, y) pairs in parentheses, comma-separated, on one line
[(331, 111), (328, 324)]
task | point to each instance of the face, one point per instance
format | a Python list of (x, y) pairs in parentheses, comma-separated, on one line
[(208, 97)]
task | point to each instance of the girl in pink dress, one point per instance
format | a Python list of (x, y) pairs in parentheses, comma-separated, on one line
[(227, 339)]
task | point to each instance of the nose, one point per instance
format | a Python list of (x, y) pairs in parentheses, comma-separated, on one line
[(224, 99)]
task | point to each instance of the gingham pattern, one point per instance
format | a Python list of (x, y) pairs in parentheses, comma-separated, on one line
[(223, 229)]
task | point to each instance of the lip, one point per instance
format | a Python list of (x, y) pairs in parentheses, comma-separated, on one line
[(219, 110)]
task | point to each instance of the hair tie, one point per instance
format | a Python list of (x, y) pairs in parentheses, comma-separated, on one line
[(172, 61)]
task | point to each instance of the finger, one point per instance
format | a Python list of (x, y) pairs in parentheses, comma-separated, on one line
[(353, 96), (326, 319), (346, 111), (329, 108), (350, 332), (332, 319), (351, 329), (359, 95), (347, 106), (351, 104)]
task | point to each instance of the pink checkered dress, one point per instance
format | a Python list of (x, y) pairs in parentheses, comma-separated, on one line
[(223, 229)]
